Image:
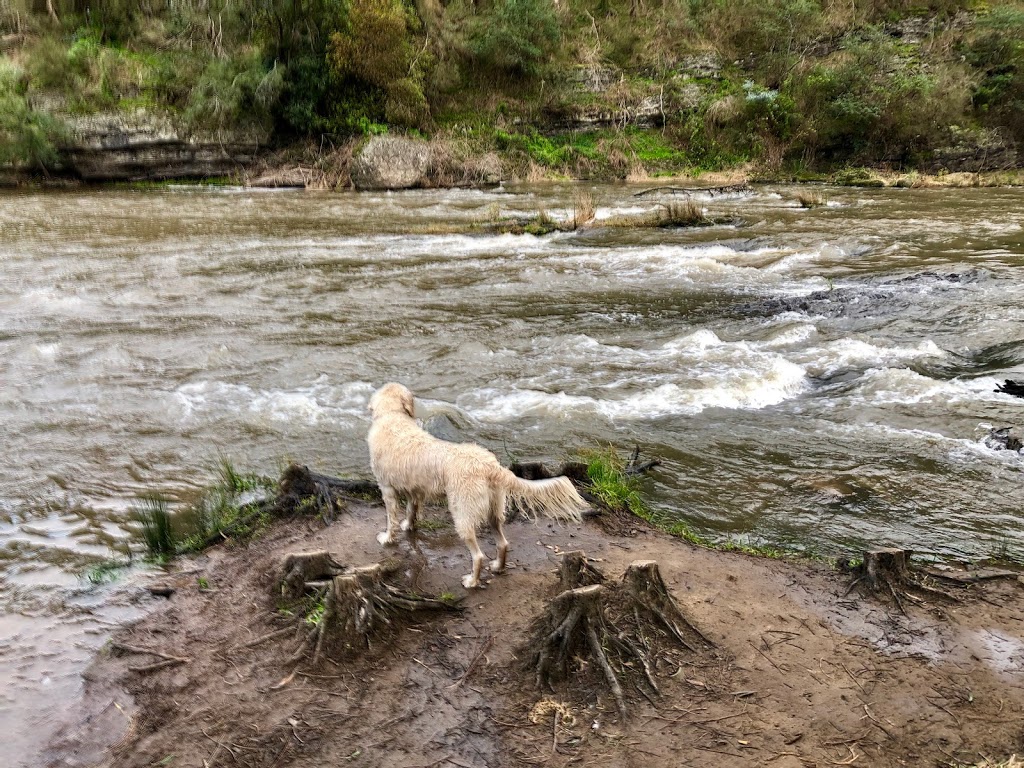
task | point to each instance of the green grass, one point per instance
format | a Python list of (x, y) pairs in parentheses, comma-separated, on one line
[(220, 507), (618, 490), (609, 482), (157, 530), (106, 571), (315, 612)]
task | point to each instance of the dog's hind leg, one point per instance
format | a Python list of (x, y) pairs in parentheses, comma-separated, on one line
[(412, 511), (467, 511), (391, 505), (497, 522)]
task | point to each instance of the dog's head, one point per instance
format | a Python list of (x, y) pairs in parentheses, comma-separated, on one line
[(392, 398)]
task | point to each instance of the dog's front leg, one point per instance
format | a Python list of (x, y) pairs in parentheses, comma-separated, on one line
[(391, 506)]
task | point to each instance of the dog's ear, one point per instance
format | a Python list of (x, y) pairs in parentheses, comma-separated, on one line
[(409, 403)]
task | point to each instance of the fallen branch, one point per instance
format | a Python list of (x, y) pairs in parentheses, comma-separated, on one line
[(710, 191), (159, 654)]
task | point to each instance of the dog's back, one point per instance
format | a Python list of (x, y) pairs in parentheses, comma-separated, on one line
[(411, 460)]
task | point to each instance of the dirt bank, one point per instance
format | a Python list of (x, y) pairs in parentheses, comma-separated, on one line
[(802, 674)]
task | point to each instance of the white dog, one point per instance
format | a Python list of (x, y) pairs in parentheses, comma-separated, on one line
[(407, 460)]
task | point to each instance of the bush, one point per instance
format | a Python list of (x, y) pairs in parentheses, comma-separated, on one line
[(515, 36), (27, 137), (234, 93), (997, 51), (376, 60), (868, 103)]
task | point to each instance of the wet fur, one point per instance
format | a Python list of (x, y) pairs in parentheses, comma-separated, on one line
[(410, 462)]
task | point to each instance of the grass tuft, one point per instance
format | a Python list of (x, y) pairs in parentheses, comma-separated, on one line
[(610, 483), (157, 530), (682, 213)]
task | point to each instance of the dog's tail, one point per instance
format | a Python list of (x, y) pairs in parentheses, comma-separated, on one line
[(554, 497)]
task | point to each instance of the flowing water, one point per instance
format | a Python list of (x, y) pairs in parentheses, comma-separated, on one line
[(814, 378)]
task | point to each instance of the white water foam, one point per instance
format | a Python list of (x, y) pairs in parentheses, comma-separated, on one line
[(852, 354), (343, 403)]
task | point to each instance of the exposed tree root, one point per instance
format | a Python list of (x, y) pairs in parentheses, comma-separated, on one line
[(887, 571), (356, 607), (621, 628)]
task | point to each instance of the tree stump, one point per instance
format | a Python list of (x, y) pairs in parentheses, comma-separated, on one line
[(300, 568), (574, 571), (643, 583), (299, 489), (887, 570), (360, 606), (622, 628)]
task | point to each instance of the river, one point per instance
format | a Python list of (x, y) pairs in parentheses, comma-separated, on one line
[(819, 379)]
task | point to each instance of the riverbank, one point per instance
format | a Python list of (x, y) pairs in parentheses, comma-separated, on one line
[(148, 161), (802, 672)]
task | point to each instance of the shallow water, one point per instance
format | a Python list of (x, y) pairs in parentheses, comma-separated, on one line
[(814, 378)]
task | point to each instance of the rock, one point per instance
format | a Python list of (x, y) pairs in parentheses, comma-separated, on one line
[(974, 151), (1006, 439), (701, 65), (391, 162), (143, 146), (446, 426)]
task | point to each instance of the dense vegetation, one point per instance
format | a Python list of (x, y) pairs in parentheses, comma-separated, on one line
[(584, 87)]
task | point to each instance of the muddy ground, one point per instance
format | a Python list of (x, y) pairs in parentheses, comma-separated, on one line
[(802, 674)]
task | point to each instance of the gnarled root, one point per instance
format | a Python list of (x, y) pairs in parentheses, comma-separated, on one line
[(360, 606), (887, 571), (620, 627)]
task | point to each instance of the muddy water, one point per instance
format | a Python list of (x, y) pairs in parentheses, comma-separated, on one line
[(816, 378)]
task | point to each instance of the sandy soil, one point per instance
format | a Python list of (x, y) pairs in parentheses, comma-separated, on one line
[(802, 675)]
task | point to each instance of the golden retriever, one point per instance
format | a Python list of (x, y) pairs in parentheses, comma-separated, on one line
[(407, 460)]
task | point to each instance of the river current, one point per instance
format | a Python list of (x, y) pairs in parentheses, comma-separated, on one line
[(820, 379)]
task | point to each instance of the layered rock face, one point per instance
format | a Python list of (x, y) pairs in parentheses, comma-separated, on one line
[(142, 146)]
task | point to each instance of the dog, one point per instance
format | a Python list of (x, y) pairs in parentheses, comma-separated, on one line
[(408, 461)]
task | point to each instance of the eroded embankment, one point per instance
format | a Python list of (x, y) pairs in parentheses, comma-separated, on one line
[(801, 673)]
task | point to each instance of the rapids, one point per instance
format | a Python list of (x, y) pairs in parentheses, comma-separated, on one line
[(819, 379)]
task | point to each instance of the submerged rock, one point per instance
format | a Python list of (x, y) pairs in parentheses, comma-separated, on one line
[(1006, 439)]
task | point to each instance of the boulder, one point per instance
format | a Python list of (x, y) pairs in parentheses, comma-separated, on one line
[(391, 162)]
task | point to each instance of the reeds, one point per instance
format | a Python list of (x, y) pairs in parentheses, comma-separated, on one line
[(157, 530)]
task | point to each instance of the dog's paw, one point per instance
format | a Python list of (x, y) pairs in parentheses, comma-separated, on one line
[(408, 526), (470, 583), (497, 566), (384, 538)]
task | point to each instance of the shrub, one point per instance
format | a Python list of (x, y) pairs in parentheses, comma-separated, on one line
[(997, 51), (515, 36), (231, 93), (27, 137), (376, 60)]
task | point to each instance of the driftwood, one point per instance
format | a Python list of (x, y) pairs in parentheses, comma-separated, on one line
[(710, 191), (887, 571), (621, 628)]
